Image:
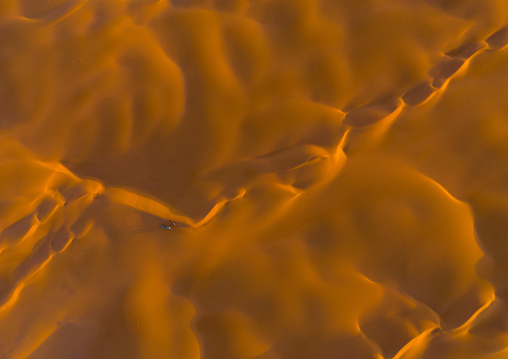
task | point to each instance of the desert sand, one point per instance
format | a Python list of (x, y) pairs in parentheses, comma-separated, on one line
[(253, 179)]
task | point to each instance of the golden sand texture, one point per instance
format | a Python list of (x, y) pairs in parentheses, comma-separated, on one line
[(336, 171)]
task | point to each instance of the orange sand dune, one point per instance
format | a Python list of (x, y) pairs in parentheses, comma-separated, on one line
[(253, 179)]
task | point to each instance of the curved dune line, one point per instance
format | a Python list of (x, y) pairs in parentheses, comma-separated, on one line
[(419, 94), (289, 158), (416, 345), (31, 231), (443, 190), (57, 167), (158, 209), (215, 209), (342, 143), (12, 298), (38, 341), (467, 50), (454, 62), (21, 284), (503, 352), (465, 327), (445, 69), (210, 214), (364, 117), (370, 114), (498, 40), (374, 131), (304, 164), (385, 124), (80, 228), (376, 349), (28, 273), (144, 204), (442, 84), (58, 13), (60, 241), (46, 210), (31, 271)]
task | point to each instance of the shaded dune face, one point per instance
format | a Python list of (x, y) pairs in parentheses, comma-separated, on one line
[(253, 179)]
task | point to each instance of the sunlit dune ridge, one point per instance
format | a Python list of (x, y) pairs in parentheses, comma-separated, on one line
[(263, 179)]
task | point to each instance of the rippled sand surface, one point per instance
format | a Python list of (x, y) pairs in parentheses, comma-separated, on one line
[(336, 172)]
